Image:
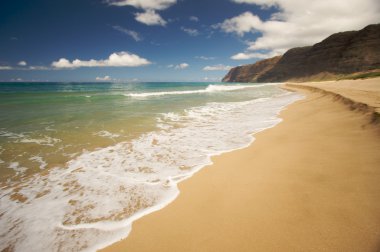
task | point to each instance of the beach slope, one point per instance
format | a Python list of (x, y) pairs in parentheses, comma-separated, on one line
[(309, 184)]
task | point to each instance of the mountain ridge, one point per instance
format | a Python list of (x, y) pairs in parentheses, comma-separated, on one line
[(338, 55)]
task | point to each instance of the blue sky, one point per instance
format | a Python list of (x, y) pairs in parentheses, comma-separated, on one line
[(160, 40)]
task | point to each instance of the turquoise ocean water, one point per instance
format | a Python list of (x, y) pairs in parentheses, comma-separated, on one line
[(79, 162)]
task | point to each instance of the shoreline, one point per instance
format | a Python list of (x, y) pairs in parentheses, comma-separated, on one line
[(211, 157), (221, 208)]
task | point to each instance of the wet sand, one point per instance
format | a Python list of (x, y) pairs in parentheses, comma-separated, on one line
[(312, 183)]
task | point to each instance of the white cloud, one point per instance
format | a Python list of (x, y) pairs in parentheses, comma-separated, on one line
[(144, 4), (246, 56), (265, 3), (204, 58), (119, 59), (219, 67), (241, 24), (179, 66), (6, 68), (22, 68), (212, 78), (191, 32), (39, 68), (22, 63), (194, 18), (150, 17), (299, 23), (135, 35), (105, 78)]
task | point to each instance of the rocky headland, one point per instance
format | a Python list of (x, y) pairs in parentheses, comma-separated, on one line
[(338, 56)]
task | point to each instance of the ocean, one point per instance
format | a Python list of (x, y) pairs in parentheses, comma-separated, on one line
[(79, 162)]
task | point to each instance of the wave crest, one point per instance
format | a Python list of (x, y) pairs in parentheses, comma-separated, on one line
[(210, 88)]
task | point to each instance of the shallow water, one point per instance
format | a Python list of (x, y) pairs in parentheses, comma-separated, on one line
[(80, 161)]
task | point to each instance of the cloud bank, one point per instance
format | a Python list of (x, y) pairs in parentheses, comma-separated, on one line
[(119, 59), (299, 23)]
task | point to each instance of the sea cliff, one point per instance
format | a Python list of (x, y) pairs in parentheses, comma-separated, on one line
[(339, 55)]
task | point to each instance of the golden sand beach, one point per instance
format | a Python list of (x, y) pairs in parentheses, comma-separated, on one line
[(312, 183)]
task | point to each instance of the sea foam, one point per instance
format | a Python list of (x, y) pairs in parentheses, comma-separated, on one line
[(208, 89)]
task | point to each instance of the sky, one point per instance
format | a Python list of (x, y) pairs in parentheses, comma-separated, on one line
[(161, 40)]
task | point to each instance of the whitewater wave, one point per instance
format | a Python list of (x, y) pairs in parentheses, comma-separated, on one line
[(209, 89)]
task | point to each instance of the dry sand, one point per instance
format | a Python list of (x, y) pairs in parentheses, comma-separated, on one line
[(361, 91), (312, 183)]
